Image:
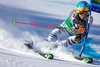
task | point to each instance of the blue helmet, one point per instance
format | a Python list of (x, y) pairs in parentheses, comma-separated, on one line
[(83, 6)]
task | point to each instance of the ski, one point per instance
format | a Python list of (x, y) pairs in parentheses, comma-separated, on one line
[(30, 44), (85, 59)]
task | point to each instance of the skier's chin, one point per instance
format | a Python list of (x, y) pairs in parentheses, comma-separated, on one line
[(82, 18)]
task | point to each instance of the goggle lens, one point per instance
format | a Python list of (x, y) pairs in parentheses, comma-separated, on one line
[(84, 13)]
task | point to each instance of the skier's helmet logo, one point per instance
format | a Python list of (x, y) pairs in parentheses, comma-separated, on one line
[(83, 5)]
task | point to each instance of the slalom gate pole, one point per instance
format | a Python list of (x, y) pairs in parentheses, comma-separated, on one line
[(43, 25), (90, 2)]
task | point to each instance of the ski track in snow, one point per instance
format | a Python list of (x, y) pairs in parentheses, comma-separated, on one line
[(12, 36), (29, 61)]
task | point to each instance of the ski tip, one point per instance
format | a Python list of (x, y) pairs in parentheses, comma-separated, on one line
[(14, 21)]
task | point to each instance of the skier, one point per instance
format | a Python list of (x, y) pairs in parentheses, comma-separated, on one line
[(74, 28), (77, 24), (78, 19)]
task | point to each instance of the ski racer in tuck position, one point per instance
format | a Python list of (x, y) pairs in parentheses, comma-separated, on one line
[(78, 19)]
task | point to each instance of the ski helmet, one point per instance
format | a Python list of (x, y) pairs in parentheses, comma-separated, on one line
[(83, 6)]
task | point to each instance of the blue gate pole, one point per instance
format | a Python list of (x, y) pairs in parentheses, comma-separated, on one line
[(90, 3)]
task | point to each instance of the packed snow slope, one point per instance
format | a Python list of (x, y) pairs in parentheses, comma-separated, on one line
[(13, 52)]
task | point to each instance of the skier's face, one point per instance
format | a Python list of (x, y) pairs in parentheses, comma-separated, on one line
[(83, 15)]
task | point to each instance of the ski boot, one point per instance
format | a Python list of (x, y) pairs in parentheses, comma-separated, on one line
[(29, 44)]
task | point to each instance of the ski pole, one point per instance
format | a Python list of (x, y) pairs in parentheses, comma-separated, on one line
[(43, 25), (90, 2), (84, 41), (74, 48)]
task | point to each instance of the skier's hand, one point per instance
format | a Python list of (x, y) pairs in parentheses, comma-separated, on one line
[(79, 38), (80, 30), (91, 19)]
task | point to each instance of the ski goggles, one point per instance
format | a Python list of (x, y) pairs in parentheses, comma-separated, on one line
[(84, 13), (83, 9)]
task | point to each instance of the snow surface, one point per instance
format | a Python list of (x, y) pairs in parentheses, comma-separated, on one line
[(48, 12)]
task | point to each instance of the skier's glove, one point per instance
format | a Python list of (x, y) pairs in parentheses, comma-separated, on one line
[(91, 21), (78, 38), (80, 30)]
